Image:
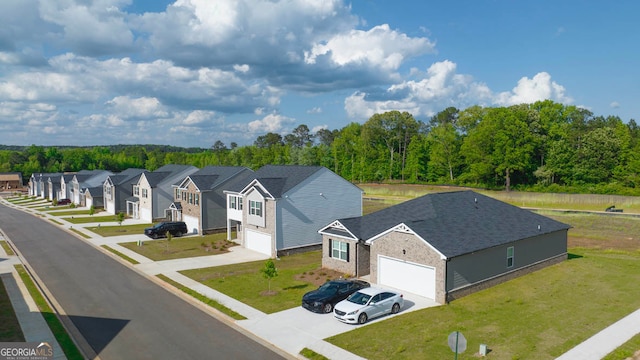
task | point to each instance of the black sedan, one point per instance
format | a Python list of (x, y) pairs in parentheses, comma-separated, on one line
[(323, 299)]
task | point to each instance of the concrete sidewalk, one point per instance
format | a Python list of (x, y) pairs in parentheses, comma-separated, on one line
[(33, 326)]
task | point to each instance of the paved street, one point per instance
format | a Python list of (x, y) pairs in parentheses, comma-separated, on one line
[(120, 313)]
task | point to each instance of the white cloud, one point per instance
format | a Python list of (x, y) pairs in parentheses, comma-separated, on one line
[(379, 47), (271, 123), (540, 87), (315, 110), (143, 107), (441, 86), (615, 104)]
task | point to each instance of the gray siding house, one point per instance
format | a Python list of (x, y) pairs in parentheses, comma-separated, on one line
[(199, 199), (280, 209), (153, 193), (86, 179), (118, 188), (445, 245)]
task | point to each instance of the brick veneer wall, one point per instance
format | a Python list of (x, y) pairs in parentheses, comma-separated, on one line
[(415, 250)]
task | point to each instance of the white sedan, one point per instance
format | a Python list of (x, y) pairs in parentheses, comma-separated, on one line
[(366, 304)]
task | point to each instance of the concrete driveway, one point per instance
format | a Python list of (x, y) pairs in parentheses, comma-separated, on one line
[(297, 328)]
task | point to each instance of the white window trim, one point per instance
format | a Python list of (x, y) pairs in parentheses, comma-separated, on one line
[(510, 258), (337, 246)]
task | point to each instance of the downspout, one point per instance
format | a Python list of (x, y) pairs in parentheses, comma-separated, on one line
[(274, 243), (446, 278)]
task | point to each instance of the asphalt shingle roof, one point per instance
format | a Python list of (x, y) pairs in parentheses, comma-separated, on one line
[(278, 179), (456, 223)]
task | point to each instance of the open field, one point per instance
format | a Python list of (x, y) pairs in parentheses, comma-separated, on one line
[(401, 192)]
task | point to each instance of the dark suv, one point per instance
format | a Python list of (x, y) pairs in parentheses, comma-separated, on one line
[(177, 228)]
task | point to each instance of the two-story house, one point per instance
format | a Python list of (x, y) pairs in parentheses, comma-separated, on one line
[(86, 179), (280, 209), (116, 189), (154, 193), (199, 199)]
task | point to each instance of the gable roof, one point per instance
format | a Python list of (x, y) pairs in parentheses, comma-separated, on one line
[(125, 176), (156, 177), (278, 179), (11, 176), (210, 177), (455, 223)]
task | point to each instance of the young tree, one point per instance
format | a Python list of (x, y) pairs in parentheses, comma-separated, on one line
[(269, 271), (169, 238), (92, 210), (120, 218)]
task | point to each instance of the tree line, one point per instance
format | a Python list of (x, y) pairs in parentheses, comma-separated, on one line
[(545, 146)]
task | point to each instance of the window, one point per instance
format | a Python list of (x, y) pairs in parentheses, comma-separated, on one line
[(177, 197), (339, 250), (190, 198), (232, 202), (239, 203), (144, 193), (255, 208), (184, 196), (197, 199), (136, 190), (510, 256)]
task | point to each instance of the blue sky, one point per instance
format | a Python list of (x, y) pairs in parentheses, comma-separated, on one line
[(190, 72)]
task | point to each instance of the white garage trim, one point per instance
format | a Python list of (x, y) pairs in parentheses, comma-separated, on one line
[(403, 275), (258, 241), (193, 223)]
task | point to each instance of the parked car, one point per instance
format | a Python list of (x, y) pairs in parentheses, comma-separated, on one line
[(64, 202), (324, 298), (176, 228), (366, 304)]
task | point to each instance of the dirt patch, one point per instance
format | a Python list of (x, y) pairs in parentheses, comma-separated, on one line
[(619, 243), (319, 276)]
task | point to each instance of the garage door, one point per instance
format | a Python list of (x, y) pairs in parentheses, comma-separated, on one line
[(192, 223), (411, 277), (258, 241)]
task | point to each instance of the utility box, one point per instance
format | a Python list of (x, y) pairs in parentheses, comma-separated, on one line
[(483, 349)]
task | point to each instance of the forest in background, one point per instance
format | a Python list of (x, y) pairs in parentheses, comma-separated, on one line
[(544, 146)]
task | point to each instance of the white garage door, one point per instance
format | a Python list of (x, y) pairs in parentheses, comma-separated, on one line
[(89, 202), (411, 277), (192, 223), (258, 241), (145, 214)]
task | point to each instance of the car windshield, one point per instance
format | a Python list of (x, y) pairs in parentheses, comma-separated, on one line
[(158, 225), (359, 298), (328, 287)]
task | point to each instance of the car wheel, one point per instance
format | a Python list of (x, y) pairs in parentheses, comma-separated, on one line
[(362, 318), (395, 308), (155, 236), (327, 308)]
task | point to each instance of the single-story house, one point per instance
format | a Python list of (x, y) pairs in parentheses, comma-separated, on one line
[(11, 181), (445, 245)]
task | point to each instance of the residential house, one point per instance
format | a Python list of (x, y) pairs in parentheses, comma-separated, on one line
[(93, 197), (53, 186), (66, 188), (42, 184), (153, 193), (444, 246), (118, 188), (199, 199), (11, 181), (86, 179), (280, 209)]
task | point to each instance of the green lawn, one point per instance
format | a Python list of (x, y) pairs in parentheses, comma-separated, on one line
[(537, 316), (625, 351), (10, 330), (245, 283), (68, 212), (91, 219), (120, 230), (181, 247)]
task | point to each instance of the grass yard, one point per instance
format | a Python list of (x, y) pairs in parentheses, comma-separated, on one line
[(626, 351), (120, 230), (537, 316), (91, 219), (70, 212), (182, 247), (297, 274), (10, 330), (601, 231)]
